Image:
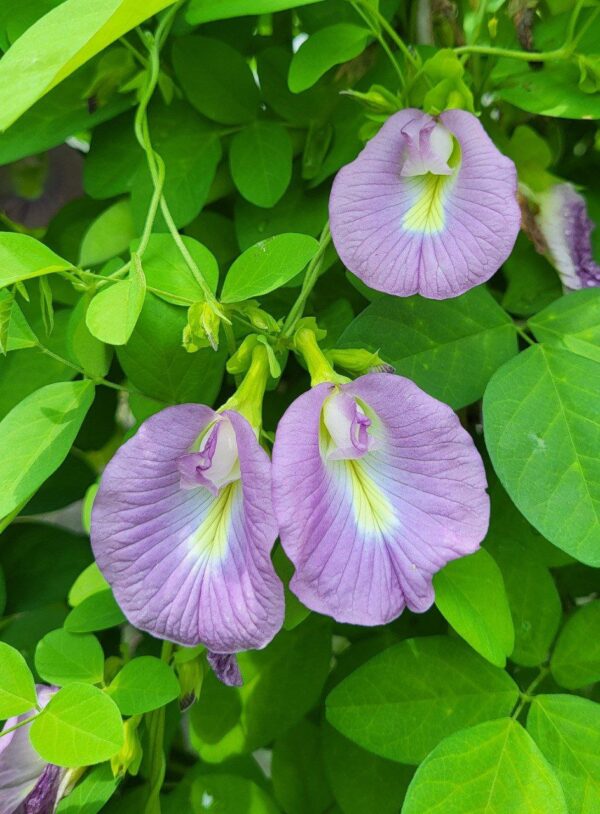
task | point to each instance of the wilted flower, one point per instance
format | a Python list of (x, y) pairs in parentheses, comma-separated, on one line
[(566, 227), (183, 526), (429, 206), (376, 487), (28, 785)]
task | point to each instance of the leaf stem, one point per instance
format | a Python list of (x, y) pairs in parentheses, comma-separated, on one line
[(81, 371), (375, 31), (523, 334), (525, 56), (156, 735), (310, 278), (20, 724), (527, 696)]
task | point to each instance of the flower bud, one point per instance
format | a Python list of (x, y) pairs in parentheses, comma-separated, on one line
[(129, 757)]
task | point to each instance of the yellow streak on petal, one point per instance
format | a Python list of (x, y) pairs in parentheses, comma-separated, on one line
[(426, 215), (210, 540), (372, 510)]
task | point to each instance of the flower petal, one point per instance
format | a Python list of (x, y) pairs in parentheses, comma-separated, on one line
[(566, 228), (186, 565), (436, 235), (367, 535)]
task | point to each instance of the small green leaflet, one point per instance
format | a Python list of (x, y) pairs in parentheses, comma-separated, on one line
[(107, 236), (450, 348), (80, 726), (404, 701), (571, 323), (91, 792), (89, 582), (67, 36), (322, 50), (216, 79), (205, 11), (260, 159), (15, 332), (575, 661), (64, 658), (112, 314), (23, 257), (144, 684), (268, 265), (470, 594), (97, 612), (89, 352), (37, 435), (167, 274), (542, 426), (17, 688), (493, 767), (567, 732)]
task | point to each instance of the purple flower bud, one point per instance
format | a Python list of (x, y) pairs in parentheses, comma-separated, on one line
[(566, 228), (429, 206), (226, 668)]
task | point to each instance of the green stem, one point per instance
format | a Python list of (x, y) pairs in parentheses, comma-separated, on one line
[(396, 38), (80, 370), (523, 334), (317, 363), (156, 736), (376, 33), (310, 278), (525, 56), (527, 696), (20, 724)]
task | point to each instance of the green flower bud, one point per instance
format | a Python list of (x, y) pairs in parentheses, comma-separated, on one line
[(129, 757)]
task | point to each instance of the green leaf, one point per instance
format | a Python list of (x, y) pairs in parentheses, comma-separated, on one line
[(361, 781), (23, 257), (576, 658), (97, 612), (89, 582), (37, 435), (299, 782), (112, 314), (571, 323), (322, 50), (156, 363), (15, 333), (216, 79), (260, 159), (470, 594), (144, 684), (17, 688), (268, 265), (190, 147), (109, 235), (89, 352), (113, 160), (404, 701), (552, 91), (90, 794), (80, 726), (205, 11), (281, 684), (168, 275), (541, 429), (567, 731), (230, 794), (2, 592), (450, 348), (63, 658), (493, 767), (67, 36), (532, 283)]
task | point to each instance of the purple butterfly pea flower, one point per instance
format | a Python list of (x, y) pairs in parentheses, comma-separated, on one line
[(28, 785), (429, 206), (182, 529), (566, 228), (376, 487)]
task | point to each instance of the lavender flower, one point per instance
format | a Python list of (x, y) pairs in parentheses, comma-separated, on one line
[(183, 526), (429, 206), (376, 487), (566, 227), (28, 785)]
